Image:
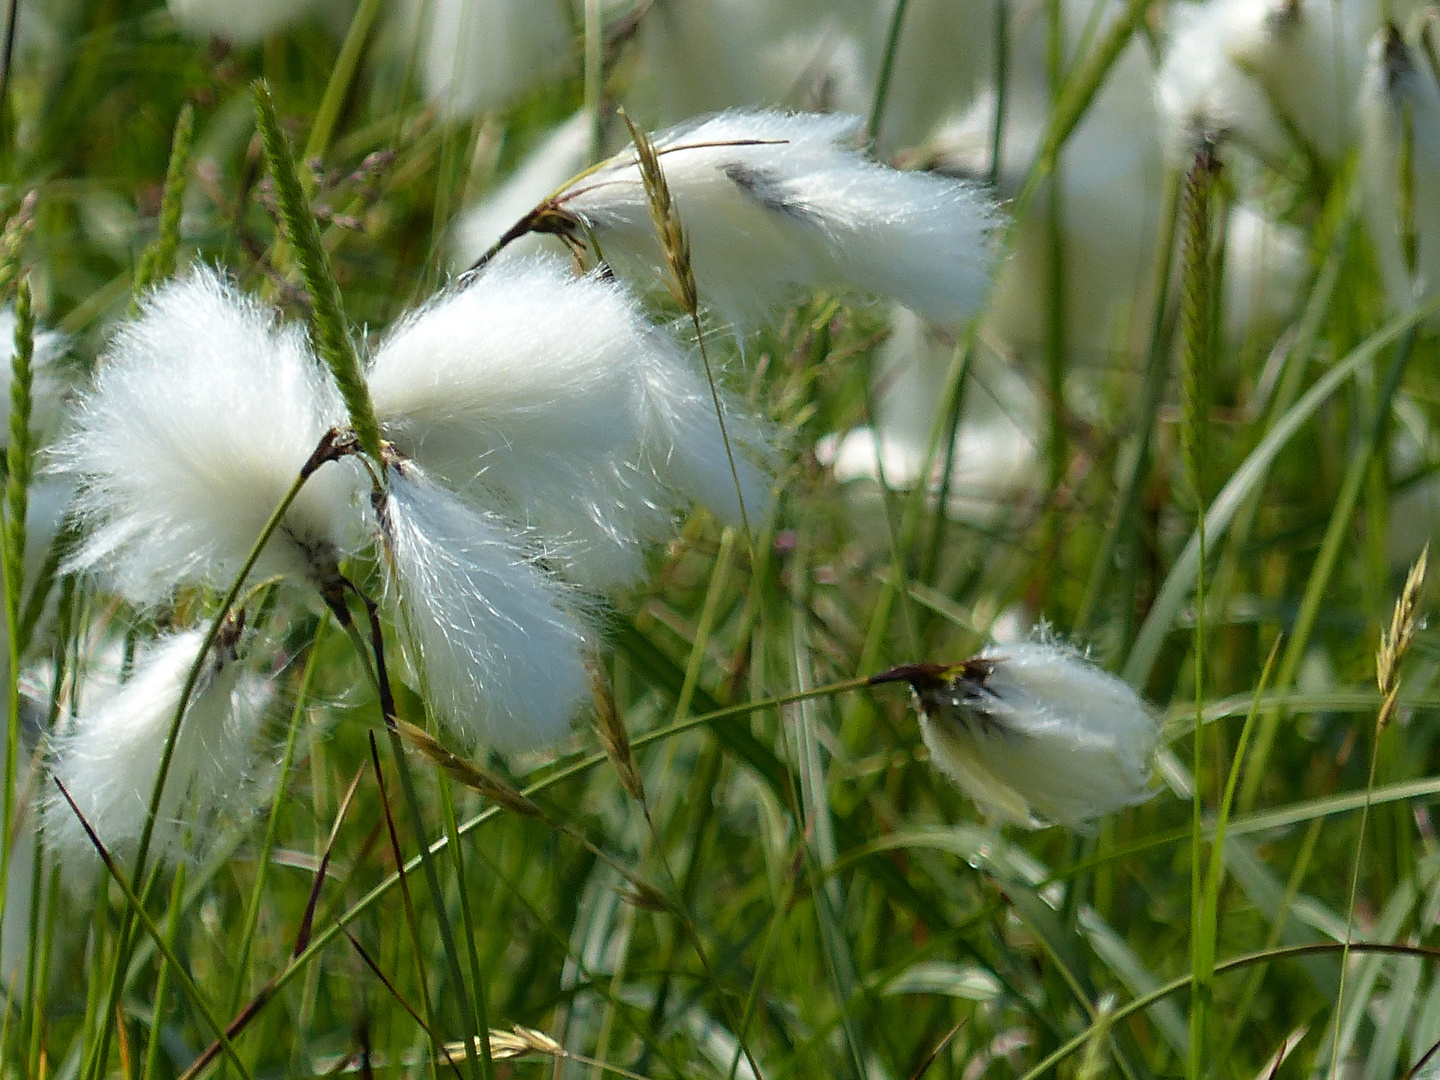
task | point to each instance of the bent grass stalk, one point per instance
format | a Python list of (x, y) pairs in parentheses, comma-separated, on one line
[(323, 937)]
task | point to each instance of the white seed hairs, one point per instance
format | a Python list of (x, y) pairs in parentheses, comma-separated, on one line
[(108, 755), (500, 656), (775, 203), (201, 416), (553, 398), (1035, 733)]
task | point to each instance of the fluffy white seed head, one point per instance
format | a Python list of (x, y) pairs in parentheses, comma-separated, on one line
[(501, 655), (1036, 734), (552, 397), (242, 23), (478, 54), (1264, 71), (200, 418), (776, 203), (1399, 102), (108, 755)]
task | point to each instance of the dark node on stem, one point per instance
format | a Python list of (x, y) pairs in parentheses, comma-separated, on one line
[(334, 445), (547, 219)]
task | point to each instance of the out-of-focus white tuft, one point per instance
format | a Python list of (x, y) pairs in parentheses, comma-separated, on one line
[(544, 172), (201, 416), (1037, 734), (108, 755), (995, 459), (1265, 265), (243, 23), (1263, 72), (479, 54), (776, 203), (500, 655), (1399, 103), (552, 398)]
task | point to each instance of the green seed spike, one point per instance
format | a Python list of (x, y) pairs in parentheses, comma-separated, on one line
[(158, 261), (332, 337)]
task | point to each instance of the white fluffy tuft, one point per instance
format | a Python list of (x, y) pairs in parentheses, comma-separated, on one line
[(243, 23), (1399, 90), (108, 755), (552, 397), (478, 54), (1261, 71), (1044, 736), (501, 657), (201, 416), (777, 203)]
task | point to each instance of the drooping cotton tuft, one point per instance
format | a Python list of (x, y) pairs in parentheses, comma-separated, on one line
[(501, 656), (478, 54), (552, 398), (243, 23), (202, 414), (1264, 72), (1035, 733), (108, 755), (777, 203), (1400, 101)]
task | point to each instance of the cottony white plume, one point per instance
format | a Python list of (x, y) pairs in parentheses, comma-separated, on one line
[(1263, 72), (1035, 733), (477, 54), (108, 755), (242, 23), (500, 655), (775, 203), (1400, 102), (201, 416), (554, 399)]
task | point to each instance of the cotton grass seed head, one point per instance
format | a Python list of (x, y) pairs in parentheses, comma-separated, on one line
[(552, 398), (1399, 117), (777, 203), (238, 23), (108, 755), (500, 653), (1035, 733), (1264, 72), (200, 418)]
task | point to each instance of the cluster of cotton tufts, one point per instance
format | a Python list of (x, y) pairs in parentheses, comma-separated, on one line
[(1264, 73), (1400, 155), (108, 755), (202, 414), (776, 203), (1035, 733), (551, 398), (238, 23)]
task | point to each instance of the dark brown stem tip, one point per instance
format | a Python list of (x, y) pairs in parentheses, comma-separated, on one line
[(334, 444), (914, 674)]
